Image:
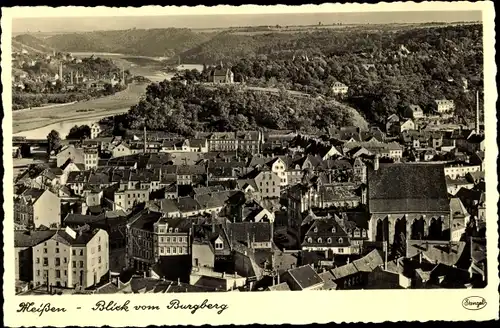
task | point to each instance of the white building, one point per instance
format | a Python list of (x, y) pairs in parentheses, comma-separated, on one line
[(445, 106), (71, 259)]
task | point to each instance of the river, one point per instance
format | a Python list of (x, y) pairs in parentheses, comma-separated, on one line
[(61, 127), (36, 124)]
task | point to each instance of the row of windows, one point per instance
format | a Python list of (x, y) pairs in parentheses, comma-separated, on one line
[(328, 240), (173, 250), (57, 261), (267, 183)]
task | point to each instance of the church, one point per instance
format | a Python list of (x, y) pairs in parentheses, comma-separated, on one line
[(408, 201)]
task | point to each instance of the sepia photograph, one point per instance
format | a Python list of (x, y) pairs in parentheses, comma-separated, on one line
[(260, 152)]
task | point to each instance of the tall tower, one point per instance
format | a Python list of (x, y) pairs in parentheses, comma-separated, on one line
[(477, 112)]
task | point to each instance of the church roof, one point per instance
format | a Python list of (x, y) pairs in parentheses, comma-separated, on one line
[(405, 188)]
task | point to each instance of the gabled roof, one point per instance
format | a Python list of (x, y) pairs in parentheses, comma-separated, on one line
[(305, 276), (242, 232), (279, 287), (407, 188), (326, 232), (31, 238), (447, 253), (32, 195)]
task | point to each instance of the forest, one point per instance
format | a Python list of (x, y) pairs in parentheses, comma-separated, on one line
[(31, 97), (183, 109), (385, 71)]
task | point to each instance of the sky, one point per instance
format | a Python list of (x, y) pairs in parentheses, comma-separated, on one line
[(84, 24)]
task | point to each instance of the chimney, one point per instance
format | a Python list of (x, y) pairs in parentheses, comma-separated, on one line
[(477, 112), (144, 137)]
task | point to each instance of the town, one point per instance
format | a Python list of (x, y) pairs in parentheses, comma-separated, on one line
[(344, 210), (317, 169)]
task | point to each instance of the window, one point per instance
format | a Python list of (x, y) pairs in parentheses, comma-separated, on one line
[(37, 260), (341, 250), (81, 252), (45, 250), (174, 250), (174, 239), (58, 261), (81, 264), (99, 261), (93, 250), (57, 243), (179, 250), (161, 239), (38, 273), (74, 264), (320, 240), (45, 261), (99, 248), (315, 229), (176, 229), (58, 273), (168, 250), (168, 239), (340, 240), (334, 230), (65, 273), (219, 245), (309, 240), (329, 240)]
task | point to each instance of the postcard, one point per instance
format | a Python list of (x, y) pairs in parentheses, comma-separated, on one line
[(252, 164)]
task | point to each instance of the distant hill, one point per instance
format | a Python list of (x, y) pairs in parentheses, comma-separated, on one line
[(154, 42), (30, 43)]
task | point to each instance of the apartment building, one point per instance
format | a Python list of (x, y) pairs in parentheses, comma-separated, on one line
[(36, 208), (71, 258)]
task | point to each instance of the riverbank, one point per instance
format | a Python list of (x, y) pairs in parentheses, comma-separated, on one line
[(117, 103)]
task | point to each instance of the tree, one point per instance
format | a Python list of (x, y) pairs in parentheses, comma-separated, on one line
[(79, 132), (54, 140)]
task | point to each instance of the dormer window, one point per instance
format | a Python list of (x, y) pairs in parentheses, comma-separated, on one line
[(334, 230), (176, 229), (329, 240), (363, 233), (340, 240), (309, 240), (170, 229), (219, 244), (315, 229), (320, 240)]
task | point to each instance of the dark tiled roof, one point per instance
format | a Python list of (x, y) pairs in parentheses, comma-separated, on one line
[(188, 204), (82, 237), (81, 219), (31, 238), (305, 276), (145, 219), (406, 188), (326, 232), (255, 231), (32, 194)]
